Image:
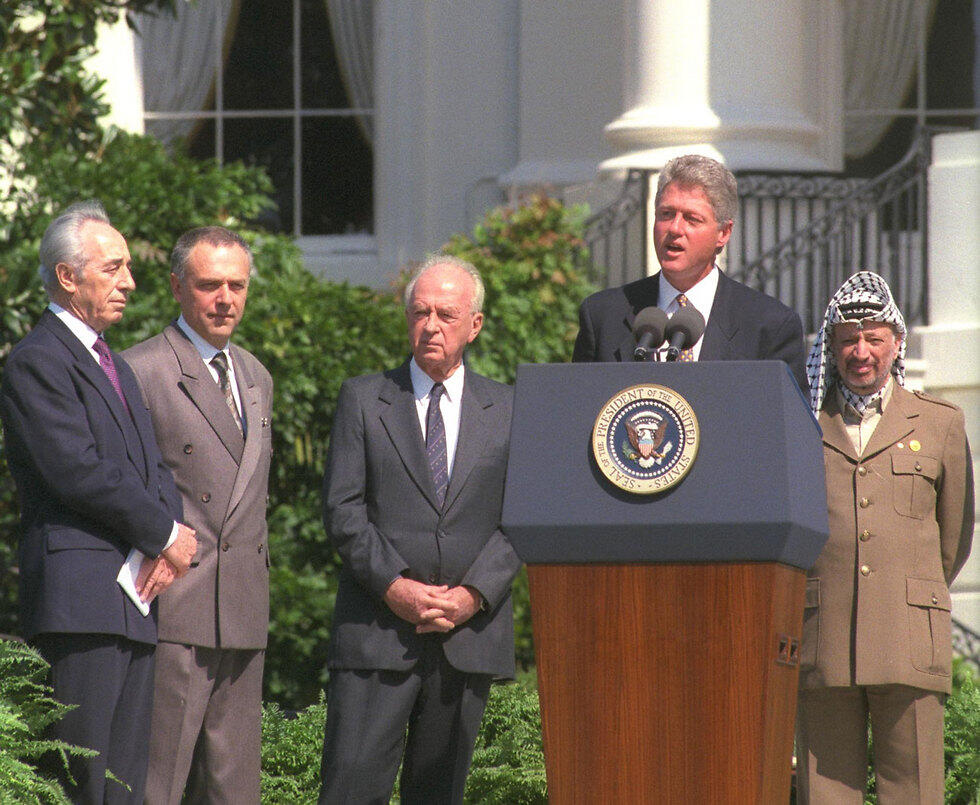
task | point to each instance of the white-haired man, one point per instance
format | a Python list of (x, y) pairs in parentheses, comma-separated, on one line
[(412, 499)]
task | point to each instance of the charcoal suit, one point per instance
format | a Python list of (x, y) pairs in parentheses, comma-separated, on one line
[(92, 485)]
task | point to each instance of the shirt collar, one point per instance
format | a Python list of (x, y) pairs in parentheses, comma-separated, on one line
[(702, 295), (79, 328), (207, 350), (863, 403), (422, 384)]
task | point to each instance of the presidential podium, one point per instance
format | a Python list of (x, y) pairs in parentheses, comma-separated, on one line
[(666, 624)]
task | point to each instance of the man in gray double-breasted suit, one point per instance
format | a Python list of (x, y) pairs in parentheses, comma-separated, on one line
[(211, 406), (412, 499)]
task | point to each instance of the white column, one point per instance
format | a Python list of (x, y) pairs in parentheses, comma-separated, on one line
[(115, 61), (950, 345), (756, 85), (445, 120), (570, 65)]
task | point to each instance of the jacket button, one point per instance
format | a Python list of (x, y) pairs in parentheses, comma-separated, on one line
[(865, 535), (862, 471), (188, 448), (935, 600), (225, 546), (433, 578), (865, 502), (918, 467), (206, 497), (260, 547), (865, 570)]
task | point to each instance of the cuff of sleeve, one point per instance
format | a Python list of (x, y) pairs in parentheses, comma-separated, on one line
[(173, 536)]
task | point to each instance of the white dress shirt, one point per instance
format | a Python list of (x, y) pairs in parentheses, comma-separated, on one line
[(79, 329), (449, 404), (702, 296)]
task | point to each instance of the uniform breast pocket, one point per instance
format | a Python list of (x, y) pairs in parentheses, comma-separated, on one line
[(914, 484), (811, 623), (930, 640)]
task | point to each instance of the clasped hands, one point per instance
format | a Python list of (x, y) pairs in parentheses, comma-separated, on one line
[(432, 608), (157, 574)]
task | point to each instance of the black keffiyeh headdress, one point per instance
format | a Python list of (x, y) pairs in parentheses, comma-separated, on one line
[(863, 297)]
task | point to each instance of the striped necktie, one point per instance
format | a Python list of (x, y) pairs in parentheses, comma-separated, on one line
[(220, 364), (435, 443), (687, 355)]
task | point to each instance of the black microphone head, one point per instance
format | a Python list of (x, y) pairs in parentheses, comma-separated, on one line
[(687, 321), (653, 321)]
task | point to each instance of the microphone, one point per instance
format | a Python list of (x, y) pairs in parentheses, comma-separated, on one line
[(683, 330), (649, 328)]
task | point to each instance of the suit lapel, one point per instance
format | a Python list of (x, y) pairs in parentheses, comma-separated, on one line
[(722, 324), (90, 369), (249, 393), (834, 432), (641, 294), (472, 435), (896, 423), (401, 422), (199, 386)]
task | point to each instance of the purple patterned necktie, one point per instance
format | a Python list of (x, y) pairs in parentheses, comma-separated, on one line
[(109, 367), (687, 355), (435, 443)]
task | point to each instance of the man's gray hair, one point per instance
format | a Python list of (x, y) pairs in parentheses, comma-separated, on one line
[(212, 235), (717, 182), (479, 292), (62, 241)]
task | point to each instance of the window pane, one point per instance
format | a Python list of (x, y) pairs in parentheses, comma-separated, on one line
[(337, 172), (890, 149), (259, 68), (267, 142), (950, 57), (197, 135), (322, 82)]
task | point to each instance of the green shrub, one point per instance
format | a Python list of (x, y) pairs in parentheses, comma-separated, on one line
[(507, 768), (962, 737), (292, 744), (529, 257), (26, 709), (508, 761)]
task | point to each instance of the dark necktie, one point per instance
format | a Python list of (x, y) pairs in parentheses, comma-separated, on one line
[(435, 443), (220, 364), (687, 355), (109, 367)]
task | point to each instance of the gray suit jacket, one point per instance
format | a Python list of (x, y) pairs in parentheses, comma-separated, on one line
[(223, 602), (382, 517)]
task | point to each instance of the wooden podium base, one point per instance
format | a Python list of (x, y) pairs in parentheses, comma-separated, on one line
[(667, 683)]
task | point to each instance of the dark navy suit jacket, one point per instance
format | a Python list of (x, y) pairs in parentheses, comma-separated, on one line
[(383, 517), (744, 325), (91, 482)]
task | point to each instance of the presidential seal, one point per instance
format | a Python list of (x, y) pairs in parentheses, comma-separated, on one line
[(645, 439)]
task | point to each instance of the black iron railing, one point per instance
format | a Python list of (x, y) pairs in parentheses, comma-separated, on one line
[(966, 643)]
